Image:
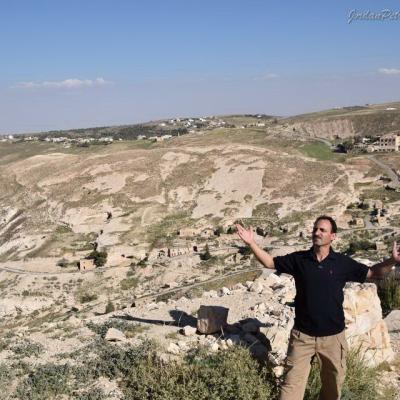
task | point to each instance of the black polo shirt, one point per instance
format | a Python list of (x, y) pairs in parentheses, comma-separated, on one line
[(319, 288)]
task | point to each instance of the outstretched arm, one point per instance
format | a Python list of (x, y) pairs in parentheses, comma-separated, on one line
[(378, 271), (248, 237)]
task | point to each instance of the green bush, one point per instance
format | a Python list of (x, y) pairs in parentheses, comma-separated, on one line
[(110, 307), (86, 297), (206, 255), (128, 328), (389, 292), (48, 381), (99, 257), (226, 375), (142, 375), (129, 283), (27, 349), (359, 245)]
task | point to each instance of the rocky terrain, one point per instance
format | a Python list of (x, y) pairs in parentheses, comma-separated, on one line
[(163, 213)]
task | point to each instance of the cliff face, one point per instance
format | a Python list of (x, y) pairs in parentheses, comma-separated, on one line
[(347, 124), (329, 129)]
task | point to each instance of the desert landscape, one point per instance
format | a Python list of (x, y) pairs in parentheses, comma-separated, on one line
[(113, 244)]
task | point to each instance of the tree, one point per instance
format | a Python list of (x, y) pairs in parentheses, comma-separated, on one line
[(99, 257), (206, 255)]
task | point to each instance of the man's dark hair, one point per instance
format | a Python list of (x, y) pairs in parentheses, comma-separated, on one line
[(330, 219)]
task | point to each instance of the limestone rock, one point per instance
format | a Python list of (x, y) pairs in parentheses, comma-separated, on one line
[(189, 330), (210, 294), (173, 348), (183, 346), (393, 321), (256, 287), (224, 292), (365, 327), (211, 319), (114, 335), (240, 287), (273, 281), (214, 347), (260, 307)]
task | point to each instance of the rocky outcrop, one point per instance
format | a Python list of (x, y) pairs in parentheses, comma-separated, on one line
[(267, 331), (365, 328)]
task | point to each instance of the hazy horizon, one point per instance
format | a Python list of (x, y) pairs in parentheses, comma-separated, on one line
[(73, 65)]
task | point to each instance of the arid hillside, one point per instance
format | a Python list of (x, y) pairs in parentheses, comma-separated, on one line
[(133, 196)]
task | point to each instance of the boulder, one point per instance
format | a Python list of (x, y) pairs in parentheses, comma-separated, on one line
[(256, 287), (189, 330), (173, 348), (393, 321), (239, 286), (114, 335), (224, 291), (365, 328), (211, 319), (273, 281)]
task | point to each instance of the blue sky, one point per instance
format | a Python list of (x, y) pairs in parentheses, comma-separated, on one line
[(93, 63)]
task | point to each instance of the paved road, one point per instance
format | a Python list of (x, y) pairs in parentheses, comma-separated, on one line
[(395, 182)]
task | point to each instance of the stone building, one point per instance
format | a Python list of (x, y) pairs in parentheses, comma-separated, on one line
[(389, 142), (187, 232), (86, 265)]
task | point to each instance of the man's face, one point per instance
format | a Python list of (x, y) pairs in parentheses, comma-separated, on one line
[(322, 234)]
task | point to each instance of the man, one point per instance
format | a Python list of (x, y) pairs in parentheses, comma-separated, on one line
[(320, 275)]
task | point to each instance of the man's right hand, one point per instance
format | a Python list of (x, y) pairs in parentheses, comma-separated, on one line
[(246, 235)]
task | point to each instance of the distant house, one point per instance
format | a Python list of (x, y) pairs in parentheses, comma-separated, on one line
[(187, 232), (373, 203), (359, 222), (207, 233), (86, 265), (389, 142), (171, 252), (381, 220), (380, 246)]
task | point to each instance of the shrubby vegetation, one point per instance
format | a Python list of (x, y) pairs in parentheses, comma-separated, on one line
[(128, 328), (141, 375), (99, 257), (110, 307), (358, 245)]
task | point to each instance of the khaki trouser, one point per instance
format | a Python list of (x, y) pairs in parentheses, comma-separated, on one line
[(330, 351)]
